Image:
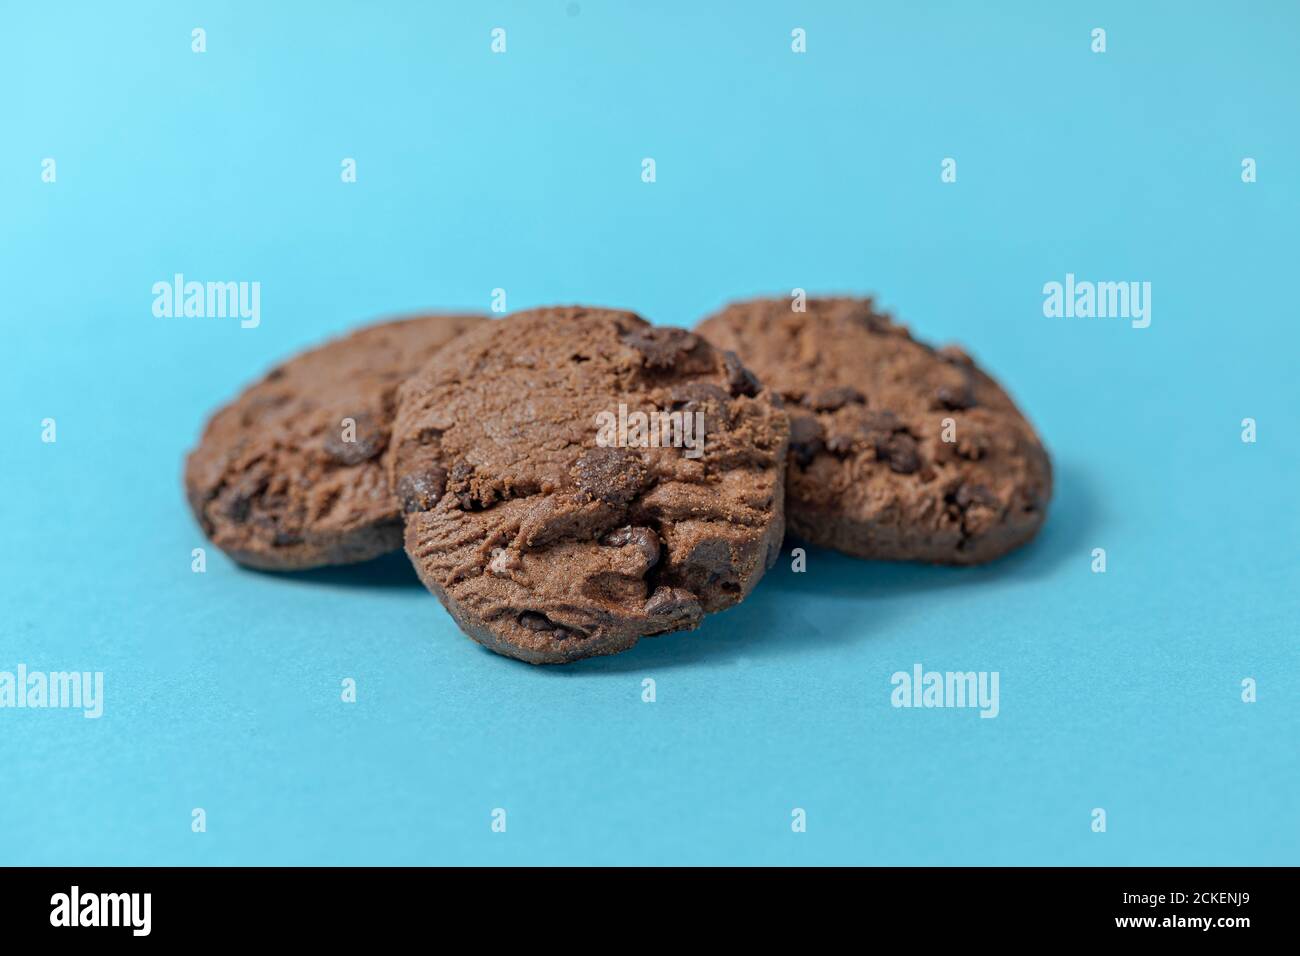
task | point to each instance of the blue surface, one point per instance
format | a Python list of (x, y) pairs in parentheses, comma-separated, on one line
[(774, 170)]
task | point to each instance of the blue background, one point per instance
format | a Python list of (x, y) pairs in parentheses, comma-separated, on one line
[(775, 170)]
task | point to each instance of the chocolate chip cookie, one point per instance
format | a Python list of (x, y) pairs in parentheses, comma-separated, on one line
[(897, 450), (574, 479), (290, 474)]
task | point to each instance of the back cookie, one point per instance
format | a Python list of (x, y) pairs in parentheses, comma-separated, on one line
[(289, 475), (897, 451)]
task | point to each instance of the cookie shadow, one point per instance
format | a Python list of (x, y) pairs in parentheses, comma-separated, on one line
[(855, 597), (771, 622), (387, 571)]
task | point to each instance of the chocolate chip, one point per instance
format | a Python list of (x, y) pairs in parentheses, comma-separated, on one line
[(840, 444), (705, 399), (883, 421), (901, 453), (420, 492), (805, 438), (740, 380), (659, 347), (672, 602), (618, 537), (876, 429), (611, 475), (532, 621), (969, 494), (954, 398), (642, 538), (709, 562), (835, 397), (541, 624), (368, 440), (238, 506), (460, 483)]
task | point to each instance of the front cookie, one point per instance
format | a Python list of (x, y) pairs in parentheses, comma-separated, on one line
[(897, 451), (575, 479), (289, 475)]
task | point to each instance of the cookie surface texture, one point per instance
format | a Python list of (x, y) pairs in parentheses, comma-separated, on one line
[(897, 451), (290, 474), (574, 479)]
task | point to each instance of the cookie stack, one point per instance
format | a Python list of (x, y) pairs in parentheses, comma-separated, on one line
[(569, 480)]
